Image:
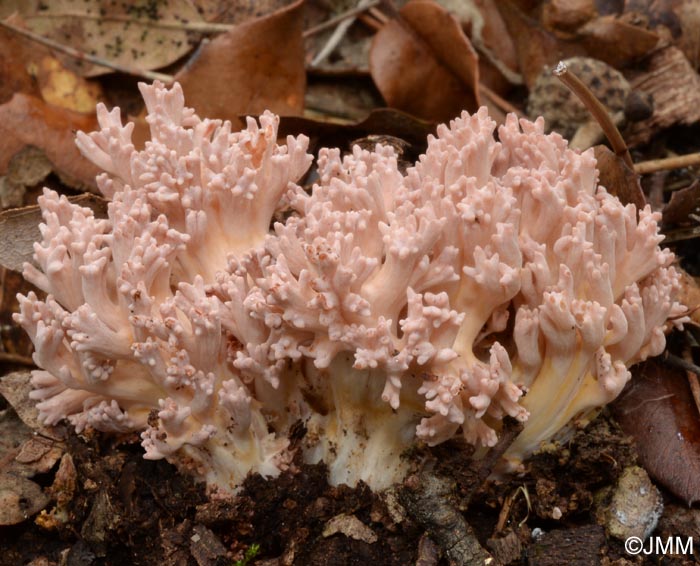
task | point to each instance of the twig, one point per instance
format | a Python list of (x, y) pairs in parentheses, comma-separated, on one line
[(504, 514), (6, 357), (378, 15), (72, 52), (371, 22), (680, 363), (597, 109), (339, 18), (676, 162), (499, 101), (338, 34), (430, 502)]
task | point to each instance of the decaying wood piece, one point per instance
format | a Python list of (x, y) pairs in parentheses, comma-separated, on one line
[(675, 88)]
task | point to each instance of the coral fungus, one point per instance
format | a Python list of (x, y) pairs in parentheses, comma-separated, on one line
[(492, 278)]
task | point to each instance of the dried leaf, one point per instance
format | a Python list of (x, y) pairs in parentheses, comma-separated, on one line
[(15, 344), (227, 12), (567, 15), (15, 388), (27, 120), (351, 527), (126, 33), (257, 65), (423, 63), (20, 498), (15, 53), (27, 168), (536, 48), (382, 121), (19, 229), (679, 17), (616, 41), (683, 203), (351, 99), (490, 37), (617, 178), (63, 88), (658, 411)]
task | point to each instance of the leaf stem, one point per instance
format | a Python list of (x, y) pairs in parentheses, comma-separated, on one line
[(597, 109)]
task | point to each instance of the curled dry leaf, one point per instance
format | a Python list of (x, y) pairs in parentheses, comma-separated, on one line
[(424, 64), (27, 120), (351, 527), (126, 33), (536, 47), (658, 411), (255, 66), (486, 29)]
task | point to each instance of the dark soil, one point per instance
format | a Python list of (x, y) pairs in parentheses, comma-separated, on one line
[(130, 511)]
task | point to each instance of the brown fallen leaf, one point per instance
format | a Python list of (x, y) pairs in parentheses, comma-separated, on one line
[(27, 168), (381, 121), (678, 18), (617, 178), (19, 229), (496, 48), (15, 53), (26, 120), (15, 345), (424, 64), (258, 65), (536, 47), (683, 203), (227, 12), (139, 34), (658, 411), (616, 41), (567, 15)]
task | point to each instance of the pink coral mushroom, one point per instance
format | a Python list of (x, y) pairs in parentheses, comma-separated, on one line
[(493, 278)]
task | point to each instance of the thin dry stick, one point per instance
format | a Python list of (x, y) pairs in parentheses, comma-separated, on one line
[(338, 34), (339, 18), (676, 162), (6, 357), (597, 109), (377, 14), (72, 52), (499, 101), (370, 21)]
